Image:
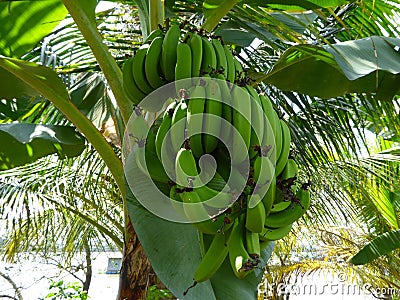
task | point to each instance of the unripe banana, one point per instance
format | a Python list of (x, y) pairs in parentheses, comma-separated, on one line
[(178, 126), (138, 128), (237, 178), (230, 63), (284, 156), (279, 206), (131, 89), (241, 262), (239, 73), (290, 171), (183, 67), (196, 46), (209, 62), (169, 56), (255, 216), (222, 64), (269, 197), (253, 244), (154, 34), (213, 258), (274, 234), (196, 212), (213, 198), (138, 71), (195, 110), (242, 122), (152, 63), (212, 117), (149, 164), (164, 127), (257, 122), (292, 213), (226, 127), (273, 120), (263, 170), (151, 138), (186, 169), (262, 179)]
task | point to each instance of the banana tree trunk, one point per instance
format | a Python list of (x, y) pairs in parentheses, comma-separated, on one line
[(136, 272)]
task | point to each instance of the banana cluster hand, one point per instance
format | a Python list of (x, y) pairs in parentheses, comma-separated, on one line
[(173, 55), (251, 196)]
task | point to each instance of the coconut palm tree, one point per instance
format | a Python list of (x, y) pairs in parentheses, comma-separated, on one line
[(328, 126)]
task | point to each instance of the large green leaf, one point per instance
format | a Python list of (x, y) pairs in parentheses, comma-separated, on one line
[(13, 87), (370, 65), (174, 252), (24, 143), (25, 23), (48, 84), (381, 245)]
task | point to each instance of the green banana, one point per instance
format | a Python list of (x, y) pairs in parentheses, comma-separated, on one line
[(263, 170), (269, 197), (138, 128), (195, 110), (253, 244), (230, 62), (198, 211), (151, 138), (154, 34), (213, 198), (237, 179), (183, 67), (178, 126), (213, 258), (226, 127), (134, 94), (292, 213), (277, 207), (242, 122), (196, 46), (209, 61), (255, 216), (239, 73), (149, 164), (274, 234), (169, 52), (152, 63), (284, 156), (138, 71), (162, 133), (273, 120), (212, 117), (186, 173), (222, 64), (257, 122), (291, 169), (263, 176), (241, 262)]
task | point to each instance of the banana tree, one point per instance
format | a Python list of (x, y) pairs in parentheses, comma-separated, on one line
[(325, 68)]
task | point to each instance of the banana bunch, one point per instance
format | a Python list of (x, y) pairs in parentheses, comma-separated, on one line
[(174, 55), (252, 195)]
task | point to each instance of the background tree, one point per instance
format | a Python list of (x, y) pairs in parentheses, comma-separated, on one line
[(327, 132)]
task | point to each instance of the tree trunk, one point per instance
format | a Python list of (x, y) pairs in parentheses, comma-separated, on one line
[(88, 272), (136, 272)]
